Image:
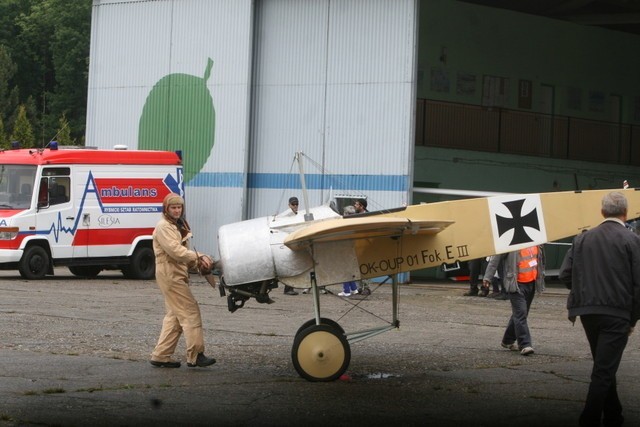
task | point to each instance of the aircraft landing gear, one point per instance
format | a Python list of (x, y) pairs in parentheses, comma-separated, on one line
[(238, 295), (323, 321), (321, 352)]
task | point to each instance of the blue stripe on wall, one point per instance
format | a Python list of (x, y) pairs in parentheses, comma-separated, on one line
[(220, 179), (313, 181)]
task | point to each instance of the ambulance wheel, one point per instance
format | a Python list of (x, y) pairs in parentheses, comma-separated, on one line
[(320, 353), (143, 264), (85, 270), (34, 263), (323, 321)]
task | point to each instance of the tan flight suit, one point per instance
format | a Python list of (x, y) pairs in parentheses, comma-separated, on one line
[(182, 313)]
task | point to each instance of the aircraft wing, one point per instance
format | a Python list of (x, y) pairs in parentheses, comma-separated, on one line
[(445, 232), (411, 238), (362, 228)]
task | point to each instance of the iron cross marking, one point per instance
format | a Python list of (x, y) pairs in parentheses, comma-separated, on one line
[(517, 222)]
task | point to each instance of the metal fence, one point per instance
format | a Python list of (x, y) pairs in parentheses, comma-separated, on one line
[(473, 127)]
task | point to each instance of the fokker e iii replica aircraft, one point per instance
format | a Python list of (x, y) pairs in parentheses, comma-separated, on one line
[(322, 248)]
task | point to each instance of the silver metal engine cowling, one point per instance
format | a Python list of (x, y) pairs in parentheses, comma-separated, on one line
[(253, 250), (250, 251)]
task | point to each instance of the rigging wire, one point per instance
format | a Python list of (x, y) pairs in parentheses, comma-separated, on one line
[(355, 305), (341, 183), (289, 184)]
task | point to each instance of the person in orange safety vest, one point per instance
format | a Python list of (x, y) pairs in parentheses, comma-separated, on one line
[(523, 277)]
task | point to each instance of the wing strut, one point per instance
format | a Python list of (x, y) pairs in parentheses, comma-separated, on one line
[(308, 216), (316, 296)]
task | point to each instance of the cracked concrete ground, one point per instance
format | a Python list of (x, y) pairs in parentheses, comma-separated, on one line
[(75, 352)]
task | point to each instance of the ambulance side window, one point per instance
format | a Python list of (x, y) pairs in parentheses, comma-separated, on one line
[(43, 193), (57, 184)]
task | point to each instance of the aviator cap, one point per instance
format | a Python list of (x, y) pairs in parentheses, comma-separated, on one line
[(172, 199)]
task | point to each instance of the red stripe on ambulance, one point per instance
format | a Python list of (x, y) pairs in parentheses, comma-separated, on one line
[(115, 236)]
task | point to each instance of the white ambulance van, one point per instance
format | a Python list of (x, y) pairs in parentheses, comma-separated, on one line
[(87, 209)]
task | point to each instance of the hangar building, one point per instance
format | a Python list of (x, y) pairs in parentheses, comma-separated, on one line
[(397, 100)]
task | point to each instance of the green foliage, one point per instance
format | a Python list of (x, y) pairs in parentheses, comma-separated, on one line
[(44, 57), (10, 10), (7, 71), (3, 136), (22, 131), (64, 132)]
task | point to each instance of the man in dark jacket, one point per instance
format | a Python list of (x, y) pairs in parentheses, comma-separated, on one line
[(602, 269)]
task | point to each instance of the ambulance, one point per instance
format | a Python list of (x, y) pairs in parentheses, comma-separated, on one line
[(84, 208)]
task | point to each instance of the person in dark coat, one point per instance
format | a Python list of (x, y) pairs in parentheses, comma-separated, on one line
[(602, 270)]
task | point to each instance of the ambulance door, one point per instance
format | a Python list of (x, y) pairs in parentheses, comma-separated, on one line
[(56, 213)]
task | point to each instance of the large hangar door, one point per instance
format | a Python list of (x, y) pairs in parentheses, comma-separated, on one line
[(335, 80)]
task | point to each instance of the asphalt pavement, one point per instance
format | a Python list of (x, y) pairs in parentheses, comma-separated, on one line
[(75, 352)]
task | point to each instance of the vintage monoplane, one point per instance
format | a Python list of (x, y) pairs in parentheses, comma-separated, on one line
[(322, 248)]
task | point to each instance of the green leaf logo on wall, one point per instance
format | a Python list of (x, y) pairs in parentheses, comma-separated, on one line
[(179, 115)]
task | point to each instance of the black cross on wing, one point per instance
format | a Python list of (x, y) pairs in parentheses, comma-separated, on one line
[(517, 222)]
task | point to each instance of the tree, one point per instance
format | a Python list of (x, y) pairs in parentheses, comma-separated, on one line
[(35, 77), (7, 71), (3, 136), (44, 62), (10, 10), (70, 54), (64, 132), (14, 58), (54, 41), (22, 131)]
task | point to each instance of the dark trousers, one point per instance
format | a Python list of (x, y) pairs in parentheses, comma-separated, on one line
[(518, 327), (607, 336), (476, 267)]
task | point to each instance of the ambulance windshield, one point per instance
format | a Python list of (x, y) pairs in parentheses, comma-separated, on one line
[(16, 186)]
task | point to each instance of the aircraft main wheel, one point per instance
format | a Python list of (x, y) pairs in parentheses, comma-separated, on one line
[(320, 353), (323, 321)]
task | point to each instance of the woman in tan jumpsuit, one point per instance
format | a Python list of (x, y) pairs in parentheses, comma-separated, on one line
[(182, 313)]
